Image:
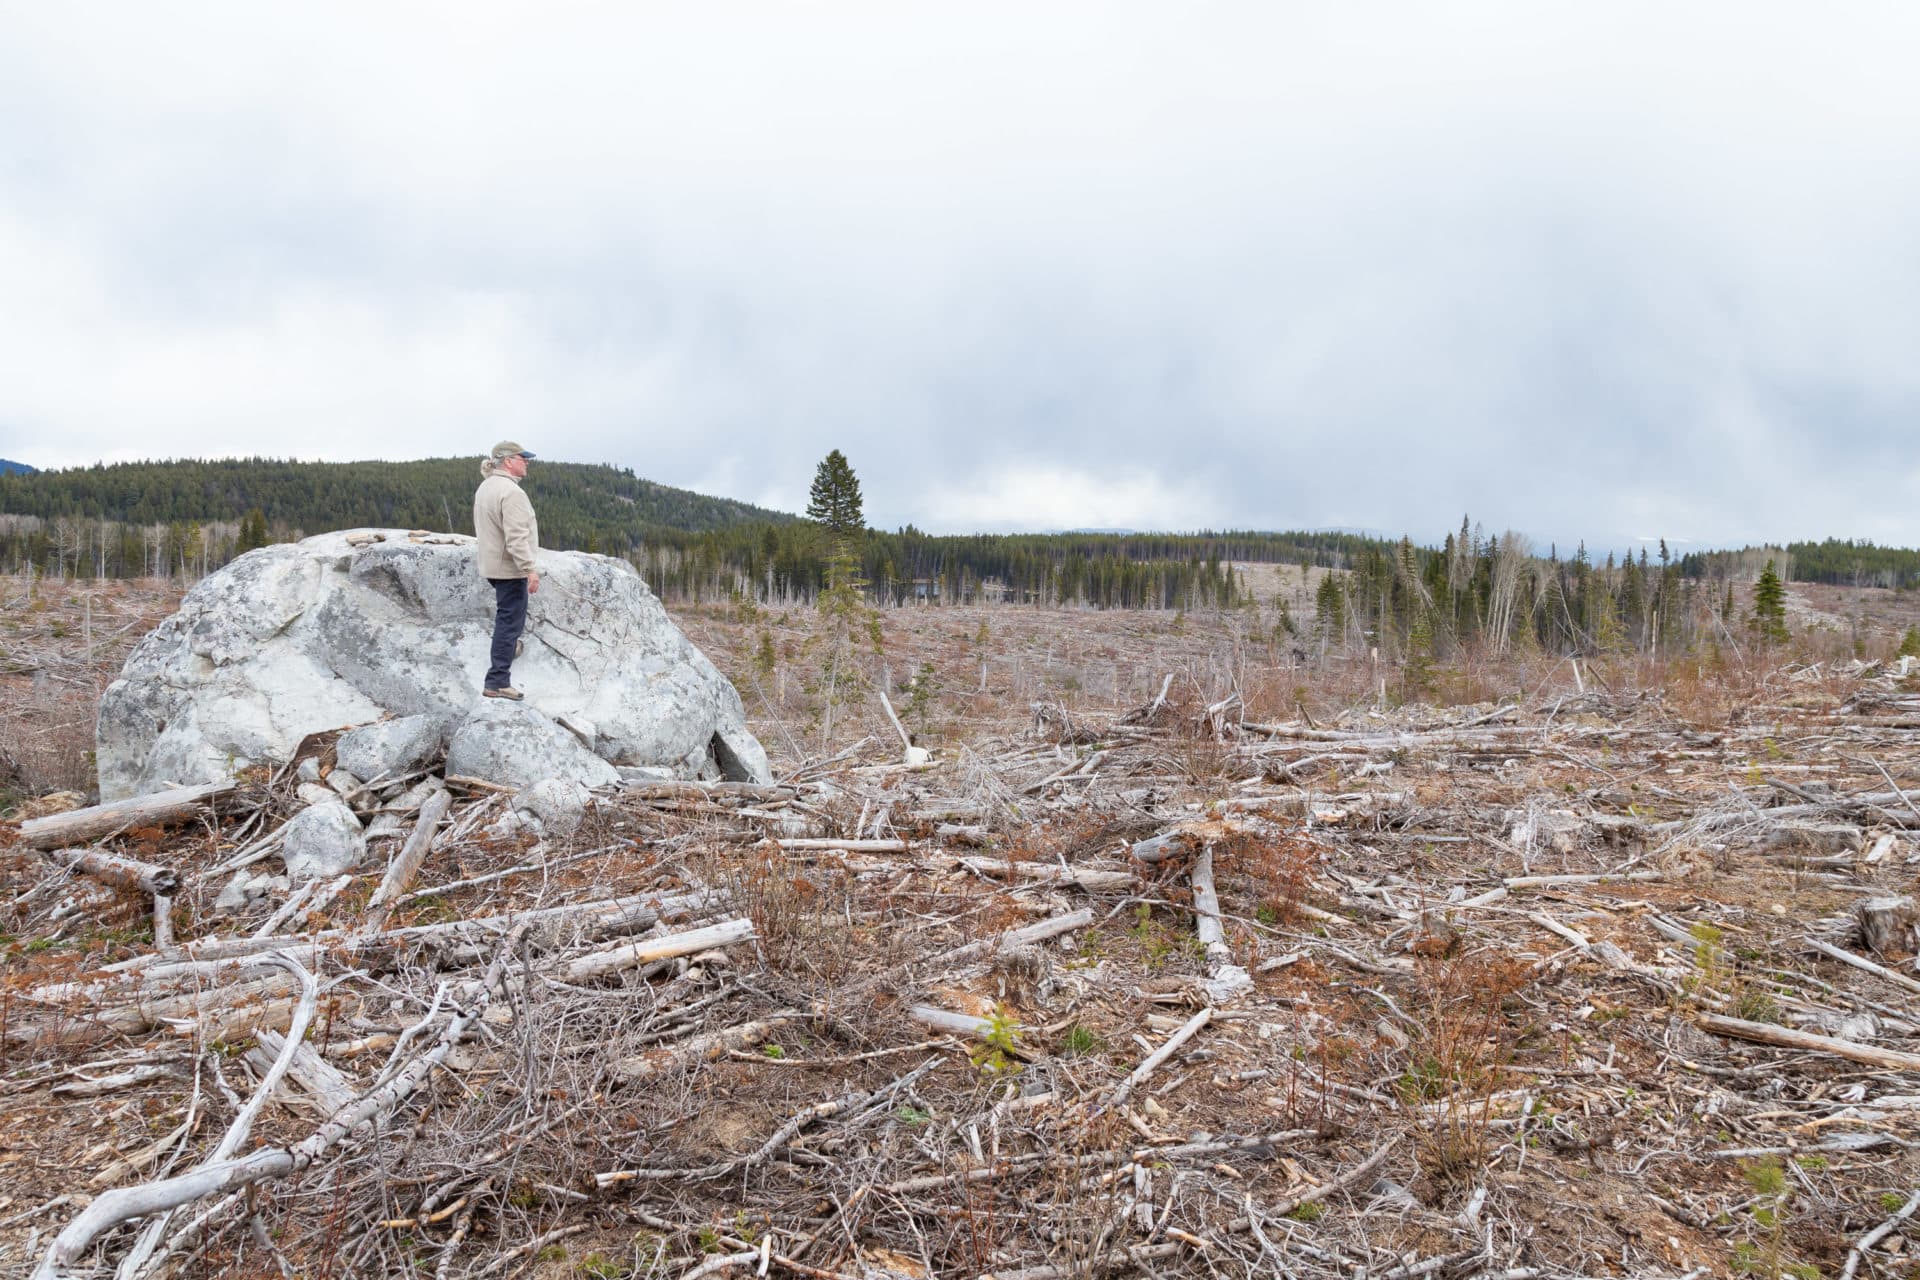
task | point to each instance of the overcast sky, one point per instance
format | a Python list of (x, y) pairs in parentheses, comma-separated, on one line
[(1594, 271)]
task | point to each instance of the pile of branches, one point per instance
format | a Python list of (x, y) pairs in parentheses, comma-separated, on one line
[(1158, 990)]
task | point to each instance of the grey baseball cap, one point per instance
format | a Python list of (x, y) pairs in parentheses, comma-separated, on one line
[(507, 448)]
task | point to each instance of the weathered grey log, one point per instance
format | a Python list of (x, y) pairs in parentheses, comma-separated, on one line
[(401, 871), (1614, 877), (849, 846), (327, 1088), (598, 964), (703, 1048), (79, 826), (1863, 964), (139, 1014), (1787, 1038), (1038, 932), (116, 869), (84, 1088), (673, 790), (1366, 803), (609, 915), (1045, 873), (960, 1024), (1225, 979), (1471, 730), (1154, 1060), (1158, 848), (886, 704)]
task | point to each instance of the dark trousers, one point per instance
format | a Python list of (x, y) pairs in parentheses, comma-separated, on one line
[(509, 620)]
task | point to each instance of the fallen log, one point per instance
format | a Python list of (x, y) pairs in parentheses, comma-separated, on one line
[(1225, 979), (1863, 964), (1787, 1038), (1154, 1060), (401, 871), (962, 1024), (598, 964), (1037, 932), (703, 1048), (849, 846), (607, 915), (81, 826), (666, 790), (116, 869), (1086, 878), (1550, 882)]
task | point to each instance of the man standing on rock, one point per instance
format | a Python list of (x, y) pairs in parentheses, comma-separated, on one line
[(507, 535)]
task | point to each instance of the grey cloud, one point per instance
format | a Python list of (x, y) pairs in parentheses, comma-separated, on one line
[(1636, 270)]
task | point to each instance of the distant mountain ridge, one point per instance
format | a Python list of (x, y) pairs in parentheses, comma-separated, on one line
[(11, 468), (584, 505)]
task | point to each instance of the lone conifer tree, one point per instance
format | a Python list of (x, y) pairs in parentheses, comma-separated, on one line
[(1770, 605), (835, 498)]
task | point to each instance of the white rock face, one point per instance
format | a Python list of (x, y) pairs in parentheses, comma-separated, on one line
[(314, 635), (322, 841), (516, 745)]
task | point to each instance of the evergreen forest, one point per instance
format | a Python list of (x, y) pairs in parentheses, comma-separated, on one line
[(1488, 592)]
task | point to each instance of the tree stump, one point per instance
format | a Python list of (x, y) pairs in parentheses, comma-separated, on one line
[(1887, 926)]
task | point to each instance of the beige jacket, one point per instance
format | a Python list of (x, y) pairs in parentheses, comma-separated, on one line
[(504, 524)]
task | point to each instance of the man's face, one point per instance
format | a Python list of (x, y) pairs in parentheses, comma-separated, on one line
[(515, 466)]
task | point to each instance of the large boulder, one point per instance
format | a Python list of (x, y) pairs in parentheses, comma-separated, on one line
[(314, 635)]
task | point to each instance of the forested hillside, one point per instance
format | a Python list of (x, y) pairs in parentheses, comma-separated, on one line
[(579, 503), (8, 467)]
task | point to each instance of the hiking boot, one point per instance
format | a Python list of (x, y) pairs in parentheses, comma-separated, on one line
[(513, 695)]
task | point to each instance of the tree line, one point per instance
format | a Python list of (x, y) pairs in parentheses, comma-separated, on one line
[(1475, 590), (186, 517), (1835, 561), (1495, 594)]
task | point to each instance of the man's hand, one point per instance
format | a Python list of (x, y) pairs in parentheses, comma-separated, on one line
[(533, 584)]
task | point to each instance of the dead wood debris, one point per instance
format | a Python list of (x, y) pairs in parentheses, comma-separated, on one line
[(1388, 998)]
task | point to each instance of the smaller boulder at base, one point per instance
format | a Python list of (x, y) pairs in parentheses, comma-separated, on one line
[(323, 841), (559, 803), (515, 745), (391, 748)]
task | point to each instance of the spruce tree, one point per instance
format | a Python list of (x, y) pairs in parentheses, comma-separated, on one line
[(834, 500), (253, 532), (1330, 612), (1770, 605)]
